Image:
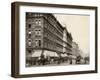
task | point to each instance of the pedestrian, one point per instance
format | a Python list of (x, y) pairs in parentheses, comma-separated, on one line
[(70, 60)]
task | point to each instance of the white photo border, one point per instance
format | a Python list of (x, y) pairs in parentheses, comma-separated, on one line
[(54, 69)]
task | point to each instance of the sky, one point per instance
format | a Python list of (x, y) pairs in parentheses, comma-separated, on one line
[(78, 25)]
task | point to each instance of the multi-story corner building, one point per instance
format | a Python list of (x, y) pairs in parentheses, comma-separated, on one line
[(45, 33)]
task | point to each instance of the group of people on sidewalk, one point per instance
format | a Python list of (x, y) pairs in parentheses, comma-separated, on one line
[(45, 60)]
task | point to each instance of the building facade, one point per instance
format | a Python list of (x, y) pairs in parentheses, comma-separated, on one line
[(44, 32), (75, 49), (67, 42)]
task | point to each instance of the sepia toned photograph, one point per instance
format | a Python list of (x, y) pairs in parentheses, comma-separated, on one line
[(52, 39), (57, 39)]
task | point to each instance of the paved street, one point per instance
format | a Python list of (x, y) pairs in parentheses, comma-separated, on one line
[(60, 64)]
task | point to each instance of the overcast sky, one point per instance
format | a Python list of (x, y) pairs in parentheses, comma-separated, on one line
[(78, 25)]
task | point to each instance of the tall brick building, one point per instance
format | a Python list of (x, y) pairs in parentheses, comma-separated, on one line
[(45, 33)]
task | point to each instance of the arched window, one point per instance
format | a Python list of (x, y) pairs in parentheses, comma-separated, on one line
[(29, 42), (29, 20), (29, 25)]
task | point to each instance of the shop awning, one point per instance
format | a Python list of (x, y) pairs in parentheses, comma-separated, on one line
[(36, 53), (50, 53), (63, 55)]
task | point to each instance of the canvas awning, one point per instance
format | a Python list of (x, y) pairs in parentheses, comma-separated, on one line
[(36, 53), (63, 55), (50, 53)]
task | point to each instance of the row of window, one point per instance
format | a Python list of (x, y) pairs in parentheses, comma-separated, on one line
[(36, 43), (38, 15), (36, 22), (54, 22), (52, 45), (37, 32), (53, 29), (30, 25), (52, 36), (35, 14), (47, 45)]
